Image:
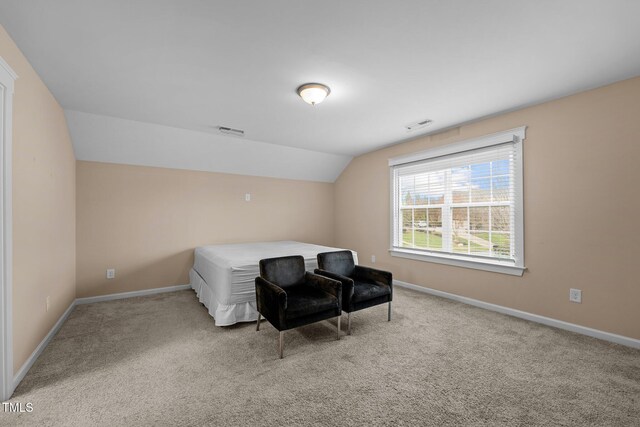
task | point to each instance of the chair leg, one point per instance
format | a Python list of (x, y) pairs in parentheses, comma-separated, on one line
[(389, 317), (339, 317), (281, 344), (258, 322), (348, 323)]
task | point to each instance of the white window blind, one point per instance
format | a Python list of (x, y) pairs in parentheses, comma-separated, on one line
[(462, 202)]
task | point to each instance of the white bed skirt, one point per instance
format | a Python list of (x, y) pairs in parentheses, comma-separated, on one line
[(223, 314)]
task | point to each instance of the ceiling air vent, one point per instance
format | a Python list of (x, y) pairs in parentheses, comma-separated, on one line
[(418, 125), (230, 131)]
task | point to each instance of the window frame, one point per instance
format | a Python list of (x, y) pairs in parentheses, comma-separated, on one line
[(513, 267)]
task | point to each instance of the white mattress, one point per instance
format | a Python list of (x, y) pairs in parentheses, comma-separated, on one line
[(223, 276)]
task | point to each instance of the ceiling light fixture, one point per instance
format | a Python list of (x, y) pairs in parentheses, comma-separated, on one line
[(313, 93)]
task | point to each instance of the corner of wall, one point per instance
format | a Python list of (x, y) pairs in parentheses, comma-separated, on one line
[(44, 205)]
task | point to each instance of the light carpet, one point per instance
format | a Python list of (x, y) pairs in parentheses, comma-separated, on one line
[(159, 360)]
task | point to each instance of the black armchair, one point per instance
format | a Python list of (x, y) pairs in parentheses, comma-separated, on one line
[(288, 296), (362, 287)]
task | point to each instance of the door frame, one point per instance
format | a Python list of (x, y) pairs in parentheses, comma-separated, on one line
[(7, 78)]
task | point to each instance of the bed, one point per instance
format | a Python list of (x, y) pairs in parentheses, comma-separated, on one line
[(223, 276)]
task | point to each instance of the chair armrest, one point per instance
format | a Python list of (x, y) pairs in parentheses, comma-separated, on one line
[(330, 286), (270, 297), (347, 283), (374, 275)]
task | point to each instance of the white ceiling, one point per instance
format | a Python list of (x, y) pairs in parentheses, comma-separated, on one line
[(197, 64), (113, 140)]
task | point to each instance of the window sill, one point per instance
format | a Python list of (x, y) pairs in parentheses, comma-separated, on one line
[(486, 265)]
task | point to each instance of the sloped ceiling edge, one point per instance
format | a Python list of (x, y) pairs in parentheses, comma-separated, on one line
[(113, 140)]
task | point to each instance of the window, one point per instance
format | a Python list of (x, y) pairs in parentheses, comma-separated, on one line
[(461, 204)]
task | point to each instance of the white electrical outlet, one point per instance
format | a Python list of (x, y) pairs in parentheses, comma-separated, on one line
[(373, 259), (247, 197), (575, 295), (111, 273), (48, 303)]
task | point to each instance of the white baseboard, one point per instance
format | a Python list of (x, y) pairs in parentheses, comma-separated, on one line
[(43, 344), (123, 295), (595, 333)]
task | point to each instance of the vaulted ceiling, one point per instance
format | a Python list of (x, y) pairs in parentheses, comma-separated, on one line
[(175, 70)]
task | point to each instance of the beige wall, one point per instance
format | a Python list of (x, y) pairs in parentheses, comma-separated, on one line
[(581, 181), (43, 207), (145, 222)]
